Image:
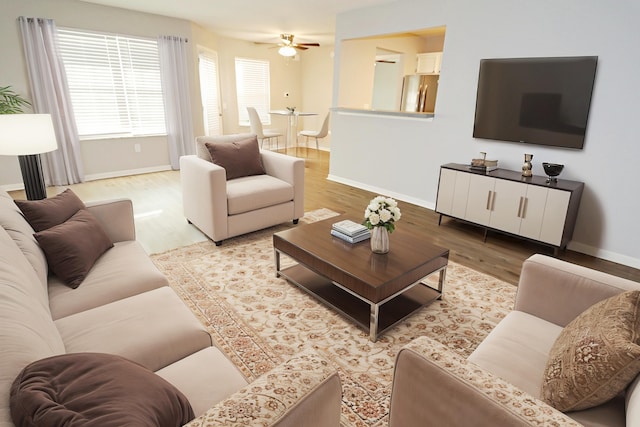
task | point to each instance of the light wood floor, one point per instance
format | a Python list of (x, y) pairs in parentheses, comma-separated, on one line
[(161, 226)]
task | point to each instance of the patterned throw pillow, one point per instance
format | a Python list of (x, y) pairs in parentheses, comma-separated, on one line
[(596, 355)]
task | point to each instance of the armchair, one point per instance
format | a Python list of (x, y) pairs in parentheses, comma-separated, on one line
[(500, 382), (223, 209)]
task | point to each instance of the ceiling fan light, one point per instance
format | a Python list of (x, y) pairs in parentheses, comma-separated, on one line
[(287, 51)]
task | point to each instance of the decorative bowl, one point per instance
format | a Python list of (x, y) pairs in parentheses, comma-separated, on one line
[(552, 170)]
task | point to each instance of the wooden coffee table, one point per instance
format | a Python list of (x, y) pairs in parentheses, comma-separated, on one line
[(376, 291)]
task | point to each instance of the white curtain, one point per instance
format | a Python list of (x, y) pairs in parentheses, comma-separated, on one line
[(51, 96), (175, 88)]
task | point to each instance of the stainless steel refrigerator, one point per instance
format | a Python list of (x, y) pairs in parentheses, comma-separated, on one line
[(419, 93)]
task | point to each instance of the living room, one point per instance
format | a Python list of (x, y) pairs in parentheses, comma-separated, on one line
[(410, 152)]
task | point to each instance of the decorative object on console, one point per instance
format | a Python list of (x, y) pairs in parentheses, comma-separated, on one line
[(27, 136), (483, 164), (552, 170), (527, 166), (380, 217)]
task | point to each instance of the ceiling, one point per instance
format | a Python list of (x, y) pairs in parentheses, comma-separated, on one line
[(254, 20)]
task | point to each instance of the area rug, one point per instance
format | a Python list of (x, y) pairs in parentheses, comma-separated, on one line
[(259, 320)]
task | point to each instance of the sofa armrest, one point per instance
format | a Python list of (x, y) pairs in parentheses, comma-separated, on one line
[(289, 169), (433, 385), (116, 217), (204, 195), (558, 291), (305, 391)]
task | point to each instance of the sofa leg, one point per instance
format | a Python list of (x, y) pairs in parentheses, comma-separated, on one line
[(295, 221)]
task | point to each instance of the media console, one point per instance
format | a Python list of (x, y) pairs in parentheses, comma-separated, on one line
[(505, 201)]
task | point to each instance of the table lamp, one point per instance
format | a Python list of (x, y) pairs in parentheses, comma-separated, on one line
[(27, 136)]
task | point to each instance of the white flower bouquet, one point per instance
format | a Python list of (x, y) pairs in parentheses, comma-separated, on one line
[(382, 212)]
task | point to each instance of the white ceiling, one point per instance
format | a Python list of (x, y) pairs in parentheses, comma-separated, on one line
[(254, 20)]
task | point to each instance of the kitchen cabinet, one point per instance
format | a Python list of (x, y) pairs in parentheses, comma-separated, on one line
[(505, 201), (428, 63)]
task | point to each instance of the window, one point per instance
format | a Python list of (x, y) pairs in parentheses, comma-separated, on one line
[(114, 83), (209, 93), (252, 88)]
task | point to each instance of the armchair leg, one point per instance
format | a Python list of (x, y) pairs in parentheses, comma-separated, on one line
[(218, 243), (295, 221)]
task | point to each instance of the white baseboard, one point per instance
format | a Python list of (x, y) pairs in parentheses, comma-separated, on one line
[(96, 176), (117, 174), (574, 246), (382, 191)]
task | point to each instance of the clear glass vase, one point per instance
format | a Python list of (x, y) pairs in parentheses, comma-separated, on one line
[(379, 240)]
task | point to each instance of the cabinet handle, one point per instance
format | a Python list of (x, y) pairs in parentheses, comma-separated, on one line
[(493, 201), (520, 208), (488, 199), (524, 207)]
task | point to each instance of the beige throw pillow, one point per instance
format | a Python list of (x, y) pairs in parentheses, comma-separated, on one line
[(596, 355)]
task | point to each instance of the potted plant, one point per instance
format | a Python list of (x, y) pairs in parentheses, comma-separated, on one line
[(11, 102)]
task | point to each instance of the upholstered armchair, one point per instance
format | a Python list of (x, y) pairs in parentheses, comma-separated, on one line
[(222, 208), (570, 324)]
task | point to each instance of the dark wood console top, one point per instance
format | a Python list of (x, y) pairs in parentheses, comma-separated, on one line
[(561, 184)]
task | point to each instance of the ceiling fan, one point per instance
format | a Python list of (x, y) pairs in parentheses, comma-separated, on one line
[(288, 48)]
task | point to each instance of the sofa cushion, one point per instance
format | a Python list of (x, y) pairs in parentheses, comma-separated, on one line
[(238, 158), (46, 213), (153, 329), (92, 389), (596, 356), (73, 246), (27, 332), (14, 223), (123, 271), (201, 148), (517, 350), (256, 192), (205, 377)]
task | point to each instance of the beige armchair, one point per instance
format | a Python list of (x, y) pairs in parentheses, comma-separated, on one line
[(222, 209), (500, 383)]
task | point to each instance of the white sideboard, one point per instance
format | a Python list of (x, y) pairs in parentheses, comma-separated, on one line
[(505, 201)]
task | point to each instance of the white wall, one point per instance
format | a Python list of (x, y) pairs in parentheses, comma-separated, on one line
[(402, 157)]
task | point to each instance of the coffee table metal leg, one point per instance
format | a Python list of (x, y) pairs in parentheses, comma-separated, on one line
[(277, 259), (373, 322), (441, 279)]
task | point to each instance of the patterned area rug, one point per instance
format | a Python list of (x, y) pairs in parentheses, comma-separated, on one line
[(260, 320)]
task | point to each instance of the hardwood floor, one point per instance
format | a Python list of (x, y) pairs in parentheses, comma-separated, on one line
[(161, 226)]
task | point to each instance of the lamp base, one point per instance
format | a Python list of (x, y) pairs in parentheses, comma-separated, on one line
[(31, 169)]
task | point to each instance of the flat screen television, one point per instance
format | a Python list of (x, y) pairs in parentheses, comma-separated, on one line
[(542, 101)]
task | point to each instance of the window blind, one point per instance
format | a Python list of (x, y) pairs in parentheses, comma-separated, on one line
[(209, 93), (252, 88), (114, 83)]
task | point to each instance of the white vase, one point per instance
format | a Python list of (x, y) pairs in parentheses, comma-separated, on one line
[(379, 240)]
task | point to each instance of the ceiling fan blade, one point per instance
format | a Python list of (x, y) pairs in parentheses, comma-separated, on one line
[(309, 44), (297, 46)]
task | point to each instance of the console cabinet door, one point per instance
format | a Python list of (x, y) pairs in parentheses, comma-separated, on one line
[(480, 199), (555, 216), (508, 197), (453, 191), (532, 212)]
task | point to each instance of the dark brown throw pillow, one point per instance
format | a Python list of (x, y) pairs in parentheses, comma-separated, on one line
[(240, 158), (74, 246), (47, 213), (95, 389)]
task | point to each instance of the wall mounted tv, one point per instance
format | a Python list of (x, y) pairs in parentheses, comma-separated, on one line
[(541, 101)]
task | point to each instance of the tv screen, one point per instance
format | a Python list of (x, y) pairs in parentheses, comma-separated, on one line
[(541, 101)]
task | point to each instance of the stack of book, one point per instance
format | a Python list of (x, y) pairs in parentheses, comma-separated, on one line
[(484, 165), (350, 231)]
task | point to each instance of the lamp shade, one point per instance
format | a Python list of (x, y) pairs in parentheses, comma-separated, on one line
[(26, 134), (287, 51)]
